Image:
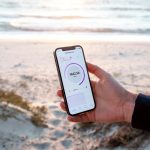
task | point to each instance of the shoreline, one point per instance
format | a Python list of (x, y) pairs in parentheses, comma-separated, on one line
[(76, 37)]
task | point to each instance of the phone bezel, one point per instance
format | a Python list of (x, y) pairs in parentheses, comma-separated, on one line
[(61, 82)]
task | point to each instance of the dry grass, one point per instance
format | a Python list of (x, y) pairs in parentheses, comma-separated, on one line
[(38, 112), (38, 116), (14, 99), (125, 136)]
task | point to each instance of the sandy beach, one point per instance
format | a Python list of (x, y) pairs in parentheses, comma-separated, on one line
[(27, 68), (115, 35)]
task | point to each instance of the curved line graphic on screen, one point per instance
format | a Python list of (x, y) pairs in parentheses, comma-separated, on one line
[(77, 65)]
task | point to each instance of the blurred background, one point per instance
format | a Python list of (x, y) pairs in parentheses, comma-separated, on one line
[(90, 19)]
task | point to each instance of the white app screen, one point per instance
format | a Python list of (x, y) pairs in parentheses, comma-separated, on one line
[(75, 80)]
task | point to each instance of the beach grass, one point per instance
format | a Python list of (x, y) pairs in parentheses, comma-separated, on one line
[(38, 112)]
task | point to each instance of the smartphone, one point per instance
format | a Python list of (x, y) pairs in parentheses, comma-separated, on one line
[(74, 79)]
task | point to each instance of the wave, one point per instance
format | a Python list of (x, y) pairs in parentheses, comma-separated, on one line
[(77, 24), (95, 30), (90, 16)]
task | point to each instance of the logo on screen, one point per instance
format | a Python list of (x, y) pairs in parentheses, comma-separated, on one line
[(74, 73)]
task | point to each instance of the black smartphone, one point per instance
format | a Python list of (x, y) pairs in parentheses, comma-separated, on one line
[(74, 79)]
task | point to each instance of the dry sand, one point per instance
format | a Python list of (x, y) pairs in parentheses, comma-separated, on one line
[(28, 68)]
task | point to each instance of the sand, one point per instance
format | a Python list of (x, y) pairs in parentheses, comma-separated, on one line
[(27, 67)]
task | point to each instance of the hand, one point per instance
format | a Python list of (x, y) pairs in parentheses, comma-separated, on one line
[(113, 102)]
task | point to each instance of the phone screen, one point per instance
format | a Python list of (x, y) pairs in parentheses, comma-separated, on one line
[(75, 80)]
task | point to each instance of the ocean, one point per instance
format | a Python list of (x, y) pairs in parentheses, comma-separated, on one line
[(79, 18)]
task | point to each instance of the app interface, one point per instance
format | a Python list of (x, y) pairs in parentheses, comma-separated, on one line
[(75, 80)]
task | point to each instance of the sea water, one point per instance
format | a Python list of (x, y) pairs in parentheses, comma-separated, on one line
[(74, 18)]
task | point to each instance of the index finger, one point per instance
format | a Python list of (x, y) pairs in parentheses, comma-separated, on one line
[(100, 73), (59, 93)]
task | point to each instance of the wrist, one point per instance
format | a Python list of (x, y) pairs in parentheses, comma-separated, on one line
[(128, 107)]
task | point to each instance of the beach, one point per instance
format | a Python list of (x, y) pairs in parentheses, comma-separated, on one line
[(28, 69), (115, 35)]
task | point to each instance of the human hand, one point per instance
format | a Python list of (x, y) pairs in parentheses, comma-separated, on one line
[(113, 102)]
